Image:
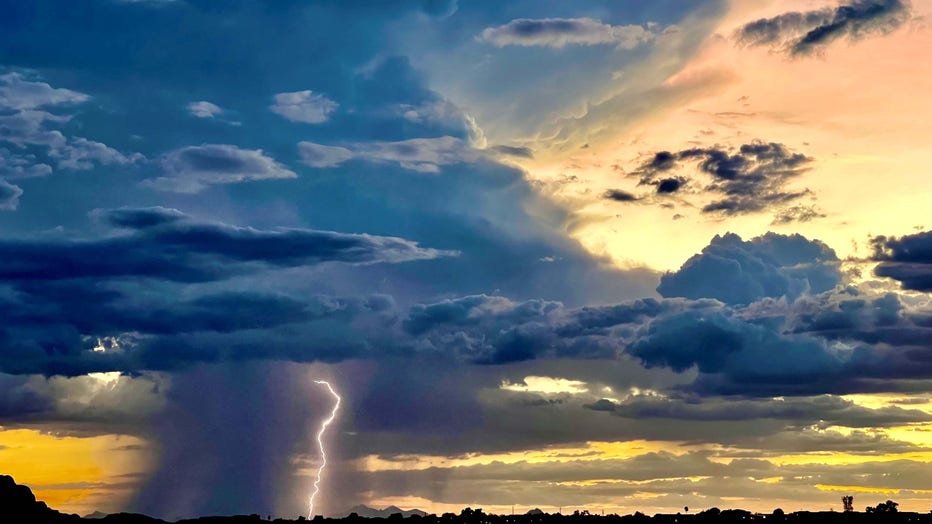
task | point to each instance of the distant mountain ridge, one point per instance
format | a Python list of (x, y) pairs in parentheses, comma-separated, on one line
[(373, 513)]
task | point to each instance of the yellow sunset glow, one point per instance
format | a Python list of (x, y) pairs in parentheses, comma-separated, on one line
[(72, 474)]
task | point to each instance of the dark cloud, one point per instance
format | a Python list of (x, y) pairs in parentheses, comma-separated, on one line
[(9, 195), (64, 297), (739, 272), (801, 33), (85, 405), (670, 185), (496, 330), (139, 218), (748, 180), (523, 152), (801, 411), (797, 214), (165, 244), (906, 259), (194, 168), (619, 195)]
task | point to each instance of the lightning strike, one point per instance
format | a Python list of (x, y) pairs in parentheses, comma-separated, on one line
[(320, 444)]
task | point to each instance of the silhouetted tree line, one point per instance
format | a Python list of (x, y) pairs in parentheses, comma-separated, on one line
[(19, 506)]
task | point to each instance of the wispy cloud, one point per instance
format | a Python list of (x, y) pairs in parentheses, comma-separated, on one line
[(560, 32)]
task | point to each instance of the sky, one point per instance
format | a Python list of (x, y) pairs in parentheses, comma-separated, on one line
[(607, 255)]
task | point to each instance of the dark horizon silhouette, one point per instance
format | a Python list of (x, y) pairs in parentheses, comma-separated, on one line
[(19, 505)]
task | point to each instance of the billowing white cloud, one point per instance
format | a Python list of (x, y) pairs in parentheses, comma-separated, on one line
[(559, 32), (192, 169), (303, 106)]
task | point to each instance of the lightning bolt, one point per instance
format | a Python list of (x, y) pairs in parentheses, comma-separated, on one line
[(320, 443)]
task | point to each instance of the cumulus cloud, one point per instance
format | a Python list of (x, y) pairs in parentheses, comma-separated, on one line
[(752, 179), (194, 168), (81, 154), (559, 32), (204, 109), (319, 155), (739, 272), (303, 106), (19, 94), (801, 33), (29, 124), (906, 259), (13, 166), (9, 195), (30, 127)]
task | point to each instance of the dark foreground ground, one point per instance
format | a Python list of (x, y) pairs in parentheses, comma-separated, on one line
[(18, 505)]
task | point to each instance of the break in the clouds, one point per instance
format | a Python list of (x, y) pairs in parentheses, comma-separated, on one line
[(804, 32), (305, 106), (907, 259), (559, 32), (194, 168), (753, 178)]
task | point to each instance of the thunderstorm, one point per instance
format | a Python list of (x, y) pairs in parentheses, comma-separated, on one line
[(320, 443)]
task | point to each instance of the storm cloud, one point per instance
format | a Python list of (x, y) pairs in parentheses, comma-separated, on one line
[(739, 272), (751, 179), (802, 33), (906, 259)]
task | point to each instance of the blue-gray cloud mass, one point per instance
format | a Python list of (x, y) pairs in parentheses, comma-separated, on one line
[(218, 200)]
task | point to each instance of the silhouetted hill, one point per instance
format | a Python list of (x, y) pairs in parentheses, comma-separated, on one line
[(368, 512), (19, 506)]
